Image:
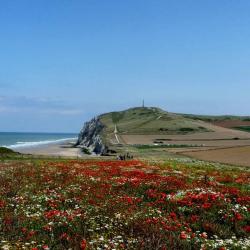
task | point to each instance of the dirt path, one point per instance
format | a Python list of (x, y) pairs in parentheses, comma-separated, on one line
[(116, 135)]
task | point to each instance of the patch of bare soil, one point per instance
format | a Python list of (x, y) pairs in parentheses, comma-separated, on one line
[(231, 123), (235, 156)]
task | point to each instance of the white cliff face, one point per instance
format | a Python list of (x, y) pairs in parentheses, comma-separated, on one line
[(90, 136)]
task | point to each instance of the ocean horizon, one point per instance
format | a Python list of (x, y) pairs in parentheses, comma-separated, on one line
[(14, 140)]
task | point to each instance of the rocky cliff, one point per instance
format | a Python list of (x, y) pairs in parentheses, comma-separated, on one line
[(91, 137)]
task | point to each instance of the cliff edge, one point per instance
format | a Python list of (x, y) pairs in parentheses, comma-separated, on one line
[(90, 137)]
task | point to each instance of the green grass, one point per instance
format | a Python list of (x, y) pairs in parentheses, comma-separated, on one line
[(243, 128), (163, 146), (214, 118), (117, 116), (149, 121), (86, 151), (5, 151)]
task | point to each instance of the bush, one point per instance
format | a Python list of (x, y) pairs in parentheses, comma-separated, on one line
[(86, 151), (186, 129), (6, 151)]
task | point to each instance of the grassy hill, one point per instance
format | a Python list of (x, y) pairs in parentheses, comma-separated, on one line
[(241, 123), (217, 118), (123, 131), (150, 121), (7, 153)]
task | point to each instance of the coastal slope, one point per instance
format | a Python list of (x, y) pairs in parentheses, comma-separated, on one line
[(106, 129)]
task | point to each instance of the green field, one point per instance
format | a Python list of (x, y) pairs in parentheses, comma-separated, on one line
[(216, 118), (146, 146), (149, 121), (243, 128)]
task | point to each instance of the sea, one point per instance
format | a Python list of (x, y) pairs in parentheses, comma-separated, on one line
[(15, 140)]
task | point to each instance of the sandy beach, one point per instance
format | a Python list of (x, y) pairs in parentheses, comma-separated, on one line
[(62, 149)]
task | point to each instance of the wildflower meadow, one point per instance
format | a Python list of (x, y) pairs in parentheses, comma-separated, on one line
[(77, 204)]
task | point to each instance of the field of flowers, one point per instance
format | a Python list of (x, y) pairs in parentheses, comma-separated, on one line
[(74, 204)]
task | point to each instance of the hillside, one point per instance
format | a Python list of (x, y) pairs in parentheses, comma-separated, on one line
[(151, 125), (226, 121), (149, 121), (217, 118), (101, 132)]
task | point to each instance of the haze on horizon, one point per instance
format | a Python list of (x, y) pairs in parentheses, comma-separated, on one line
[(63, 62)]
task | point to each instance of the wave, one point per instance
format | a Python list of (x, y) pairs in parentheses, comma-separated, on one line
[(23, 144)]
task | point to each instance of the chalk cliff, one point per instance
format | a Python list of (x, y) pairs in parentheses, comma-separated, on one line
[(91, 137)]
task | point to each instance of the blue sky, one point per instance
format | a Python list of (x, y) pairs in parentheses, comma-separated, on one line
[(64, 61)]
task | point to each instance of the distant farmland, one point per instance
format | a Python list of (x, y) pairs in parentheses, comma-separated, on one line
[(180, 133), (236, 155)]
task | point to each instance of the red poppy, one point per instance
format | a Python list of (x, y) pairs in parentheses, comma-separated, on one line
[(246, 228), (83, 244), (206, 205), (238, 216), (183, 235), (173, 215)]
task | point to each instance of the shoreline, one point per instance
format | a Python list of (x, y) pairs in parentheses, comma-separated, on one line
[(62, 148)]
